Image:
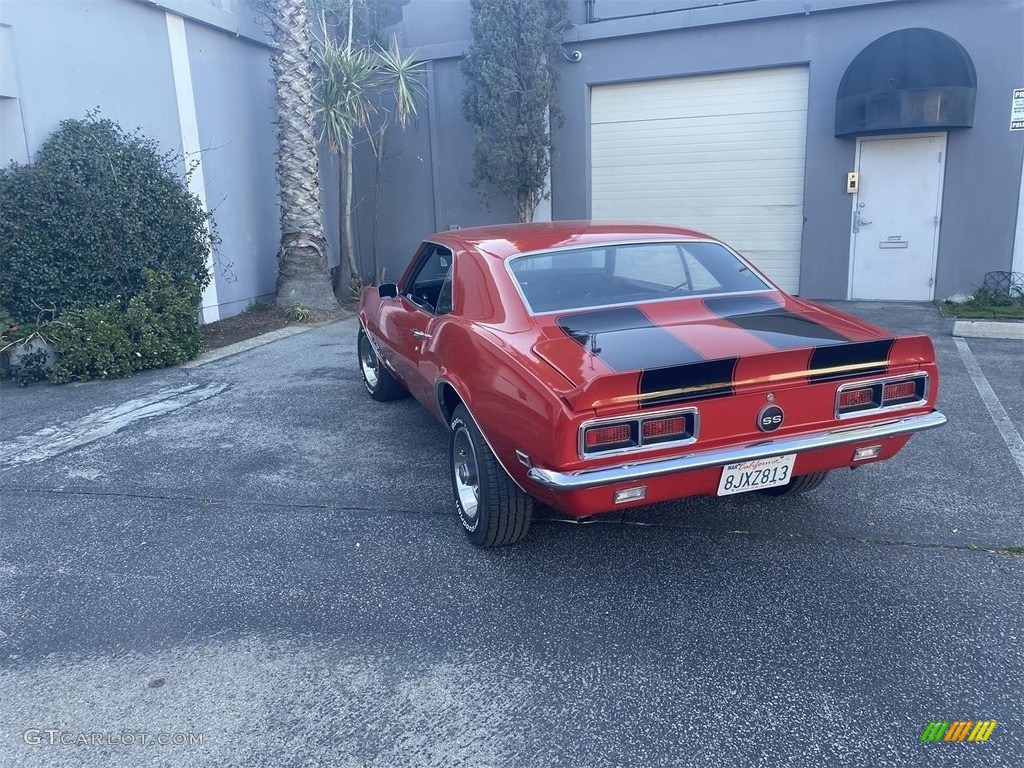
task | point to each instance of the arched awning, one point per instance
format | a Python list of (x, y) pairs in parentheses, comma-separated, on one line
[(909, 80)]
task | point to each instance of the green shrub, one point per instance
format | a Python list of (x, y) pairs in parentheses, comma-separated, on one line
[(93, 343), (297, 313), (989, 297), (260, 306), (163, 322), (157, 327), (31, 367), (98, 206)]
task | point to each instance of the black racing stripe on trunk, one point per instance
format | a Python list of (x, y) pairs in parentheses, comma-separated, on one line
[(855, 353), (626, 339), (712, 378), (773, 324)]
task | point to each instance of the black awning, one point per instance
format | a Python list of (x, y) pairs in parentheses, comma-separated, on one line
[(909, 80)]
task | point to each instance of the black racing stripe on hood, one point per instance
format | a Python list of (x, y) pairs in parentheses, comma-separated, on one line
[(764, 318), (626, 339), (855, 353), (712, 378)]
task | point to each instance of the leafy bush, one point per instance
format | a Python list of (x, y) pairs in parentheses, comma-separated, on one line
[(8, 326), (989, 297), (31, 367), (157, 327), (99, 205), (93, 343), (163, 323)]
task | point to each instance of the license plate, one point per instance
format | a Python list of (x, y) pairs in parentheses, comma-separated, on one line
[(753, 475)]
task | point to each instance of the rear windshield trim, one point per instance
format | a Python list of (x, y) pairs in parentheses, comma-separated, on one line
[(769, 288)]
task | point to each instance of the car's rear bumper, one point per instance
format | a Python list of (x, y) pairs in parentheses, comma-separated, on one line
[(627, 473)]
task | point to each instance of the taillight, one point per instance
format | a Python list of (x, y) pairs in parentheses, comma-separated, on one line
[(609, 436), (857, 399), (900, 391), (676, 428), (661, 430), (860, 399)]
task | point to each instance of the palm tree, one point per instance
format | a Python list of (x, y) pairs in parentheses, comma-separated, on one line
[(303, 276), (358, 83)]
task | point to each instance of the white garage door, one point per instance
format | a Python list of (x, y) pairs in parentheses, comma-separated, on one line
[(720, 153)]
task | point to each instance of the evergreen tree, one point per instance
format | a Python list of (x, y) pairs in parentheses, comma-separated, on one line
[(509, 99)]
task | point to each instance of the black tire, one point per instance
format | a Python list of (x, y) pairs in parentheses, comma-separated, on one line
[(801, 484), (377, 379), (502, 512)]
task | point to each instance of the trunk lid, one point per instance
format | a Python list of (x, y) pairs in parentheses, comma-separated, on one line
[(662, 352)]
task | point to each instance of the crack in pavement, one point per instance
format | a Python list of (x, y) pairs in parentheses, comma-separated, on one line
[(1005, 550)]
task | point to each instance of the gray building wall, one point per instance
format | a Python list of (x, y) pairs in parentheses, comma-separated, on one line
[(234, 99), (983, 167), (61, 58)]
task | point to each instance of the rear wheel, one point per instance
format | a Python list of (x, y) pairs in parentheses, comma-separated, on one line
[(801, 484), (493, 510), (377, 379)]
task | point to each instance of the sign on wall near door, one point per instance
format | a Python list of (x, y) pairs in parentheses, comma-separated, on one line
[(1017, 110)]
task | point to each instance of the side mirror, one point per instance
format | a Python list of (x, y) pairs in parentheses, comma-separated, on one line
[(387, 290)]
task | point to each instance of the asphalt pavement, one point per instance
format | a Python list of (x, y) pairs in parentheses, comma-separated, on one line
[(250, 563)]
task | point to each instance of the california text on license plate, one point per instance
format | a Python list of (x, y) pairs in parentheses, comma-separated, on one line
[(753, 475)]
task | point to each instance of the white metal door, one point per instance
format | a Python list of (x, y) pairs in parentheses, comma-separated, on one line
[(896, 216), (723, 153)]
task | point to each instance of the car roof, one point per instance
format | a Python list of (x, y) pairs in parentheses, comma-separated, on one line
[(504, 240)]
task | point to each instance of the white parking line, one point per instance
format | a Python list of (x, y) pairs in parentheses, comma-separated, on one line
[(51, 441), (1006, 428)]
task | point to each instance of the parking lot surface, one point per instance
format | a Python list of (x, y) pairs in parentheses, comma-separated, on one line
[(254, 560)]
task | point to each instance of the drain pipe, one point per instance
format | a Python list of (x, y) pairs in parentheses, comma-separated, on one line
[(1018, 241)]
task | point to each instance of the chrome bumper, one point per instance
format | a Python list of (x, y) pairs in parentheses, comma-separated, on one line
[(627, 473)]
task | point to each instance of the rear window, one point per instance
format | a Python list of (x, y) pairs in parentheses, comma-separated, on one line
[(628, 274)]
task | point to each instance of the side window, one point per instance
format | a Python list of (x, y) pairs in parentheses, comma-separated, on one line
[(444, 299), (430, 286)]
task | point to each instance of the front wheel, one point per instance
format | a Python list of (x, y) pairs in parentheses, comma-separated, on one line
[(377, 379), (493, 510), (801, 484)]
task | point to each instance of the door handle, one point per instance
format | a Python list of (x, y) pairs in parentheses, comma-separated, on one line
[(421, 335)]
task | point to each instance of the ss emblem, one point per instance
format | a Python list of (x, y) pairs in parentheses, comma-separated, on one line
[(770, 418)]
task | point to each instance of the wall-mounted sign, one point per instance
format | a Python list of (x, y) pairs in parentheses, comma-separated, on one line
[(894, 241), (1017, 110)]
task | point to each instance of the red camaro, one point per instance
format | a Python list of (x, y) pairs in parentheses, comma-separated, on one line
[(597, 366)]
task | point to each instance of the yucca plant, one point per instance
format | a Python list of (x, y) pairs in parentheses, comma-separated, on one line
[(362, 88)]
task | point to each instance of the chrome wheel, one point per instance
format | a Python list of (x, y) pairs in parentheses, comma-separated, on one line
[(465, 472), (377, 379), (369, 363)]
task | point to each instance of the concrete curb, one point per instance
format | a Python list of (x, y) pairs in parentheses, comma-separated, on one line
[(256, 341), (988, 329)]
